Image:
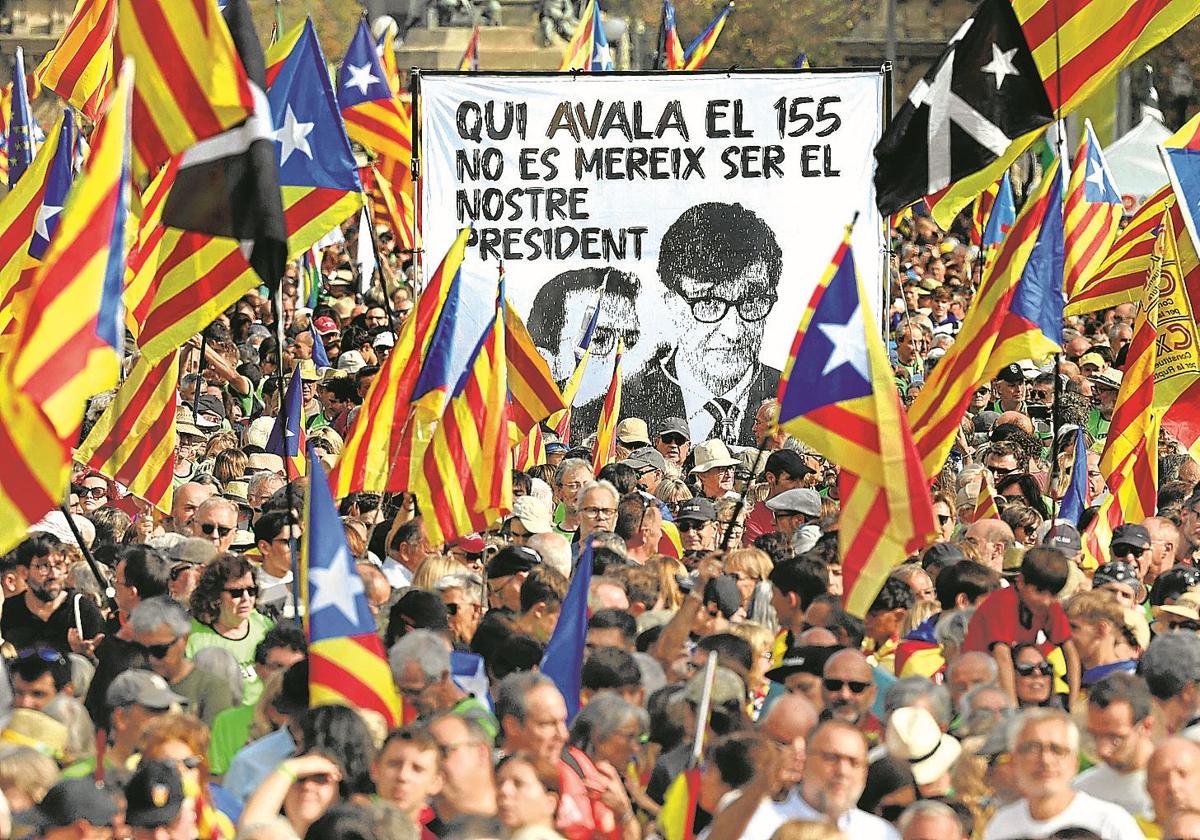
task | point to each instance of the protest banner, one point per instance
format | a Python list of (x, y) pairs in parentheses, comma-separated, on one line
[(696, 208)]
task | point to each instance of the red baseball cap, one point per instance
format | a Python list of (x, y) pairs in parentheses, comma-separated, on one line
[(326, 325)]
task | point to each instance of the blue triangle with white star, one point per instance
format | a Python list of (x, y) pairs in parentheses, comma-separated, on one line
[(361, 78), (309, 135), (58, 183), (1098, 185), (832, 364), (337, 600)]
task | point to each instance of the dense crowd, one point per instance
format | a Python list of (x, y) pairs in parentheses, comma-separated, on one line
[(1001, 685)]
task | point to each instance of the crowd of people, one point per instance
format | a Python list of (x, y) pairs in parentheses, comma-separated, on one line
[(1003, 683)]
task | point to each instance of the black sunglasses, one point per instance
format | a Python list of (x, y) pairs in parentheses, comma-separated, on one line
[(834, 686), (179, 569), (1123, 550), (685, 525), (236, 592), (1027, 669), (1185, 625), (677, 439), (209, 527), (157, 651)]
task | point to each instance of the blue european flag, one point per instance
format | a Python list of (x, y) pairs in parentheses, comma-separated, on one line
[(20, 124)]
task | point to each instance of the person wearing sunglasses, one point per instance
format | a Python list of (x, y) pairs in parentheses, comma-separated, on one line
[(848, 692), (224, 614), (673, 440), (161, 628), (1034, 678), (39, 675), (1132, 544), (94, 493), (216, 520)]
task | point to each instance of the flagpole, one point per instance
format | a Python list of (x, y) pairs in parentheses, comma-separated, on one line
[(1055, 504), (109, 592), (277, 304), (199, 373), (703, 710)]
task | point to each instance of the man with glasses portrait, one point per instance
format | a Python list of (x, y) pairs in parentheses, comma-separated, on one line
[(47, 611)]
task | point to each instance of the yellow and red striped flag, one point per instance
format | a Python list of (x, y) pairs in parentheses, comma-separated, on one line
[(698, 51), (365, 462), (373, 114), (577, 54), (1092, 216), (837, 394), (71, 333), (1081, 45), (1129, 461), (465, 481), (133, 442), (605, 448), (532, 392), (5, 113), (278, 52), (190, 81), (672, 58), (394, 210), (982, 211), (1177, 371), (677, 818), (1005, 324), (470, 57), (347, 665), (1122, 275), (145, 250), (530, 450), (79, 68), (386, 47), (985, 500)]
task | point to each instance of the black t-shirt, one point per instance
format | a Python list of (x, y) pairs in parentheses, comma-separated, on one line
[(22, 629), (113, 656)]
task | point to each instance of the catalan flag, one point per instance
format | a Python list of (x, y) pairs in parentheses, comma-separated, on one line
[(278, 51), (71, 334), (347, 665), (985, 501), (21, 211), (287, 438), (982, 210), (371, 110), (530, 450), (394, 210), (1081, 45), (133, 442), (587, 50), (1177, 371), (677, 819), (190, 83), (466, 474), (1092, 216), (145, 250), (385, 47), (532, 392), (998, 329), (670, 49), (698, 51), (317, 172), (837, 394), (20, 144), (470, 59), (1129, 461), (372, 441), (79, 68), (605, 448)]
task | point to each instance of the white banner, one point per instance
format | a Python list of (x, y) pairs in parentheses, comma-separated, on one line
[(706, 206)]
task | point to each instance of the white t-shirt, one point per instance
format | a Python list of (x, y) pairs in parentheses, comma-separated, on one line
[(854, 823), (1125, 789), (1112, 822)]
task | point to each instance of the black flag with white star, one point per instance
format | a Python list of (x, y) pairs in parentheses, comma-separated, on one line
[(983, 92), (228, 185)]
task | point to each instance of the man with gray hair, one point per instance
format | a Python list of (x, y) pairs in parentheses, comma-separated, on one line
[(928, 819), (216, 520), (968, 670), (596, 508), (572, 474), (261, 487), (1171, 668), (920, 693), (161, 627), (463, 596), (421, 669), (1045, 755)]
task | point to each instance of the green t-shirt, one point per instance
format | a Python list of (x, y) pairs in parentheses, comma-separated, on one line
[(230, 732), (242, 649), (208, 694)]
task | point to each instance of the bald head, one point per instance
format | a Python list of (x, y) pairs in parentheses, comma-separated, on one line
[(1173, 777), (1016, 418), (817, 637), (790, 717), (848, 664)]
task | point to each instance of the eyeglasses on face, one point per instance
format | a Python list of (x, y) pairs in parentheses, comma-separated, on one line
[(95, 492), (1123, 550), (1000, 472), (834, 686), (236, 592), (673, 438), (180, 568), (209, 527), (1028, 669), (1186, 624), (44, 568), (598, 512), (709, 310), (158, 651), (686, 525)]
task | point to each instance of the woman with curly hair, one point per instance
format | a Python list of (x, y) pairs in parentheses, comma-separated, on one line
[(224, 615)]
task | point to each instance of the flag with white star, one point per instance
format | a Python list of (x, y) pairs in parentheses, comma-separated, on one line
[(601, 56), (1092, 215), (347, 665), (58, 183), (317, 173), (983, 93), (287, 439), (837, 393), (228, 185), (373, 114)]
